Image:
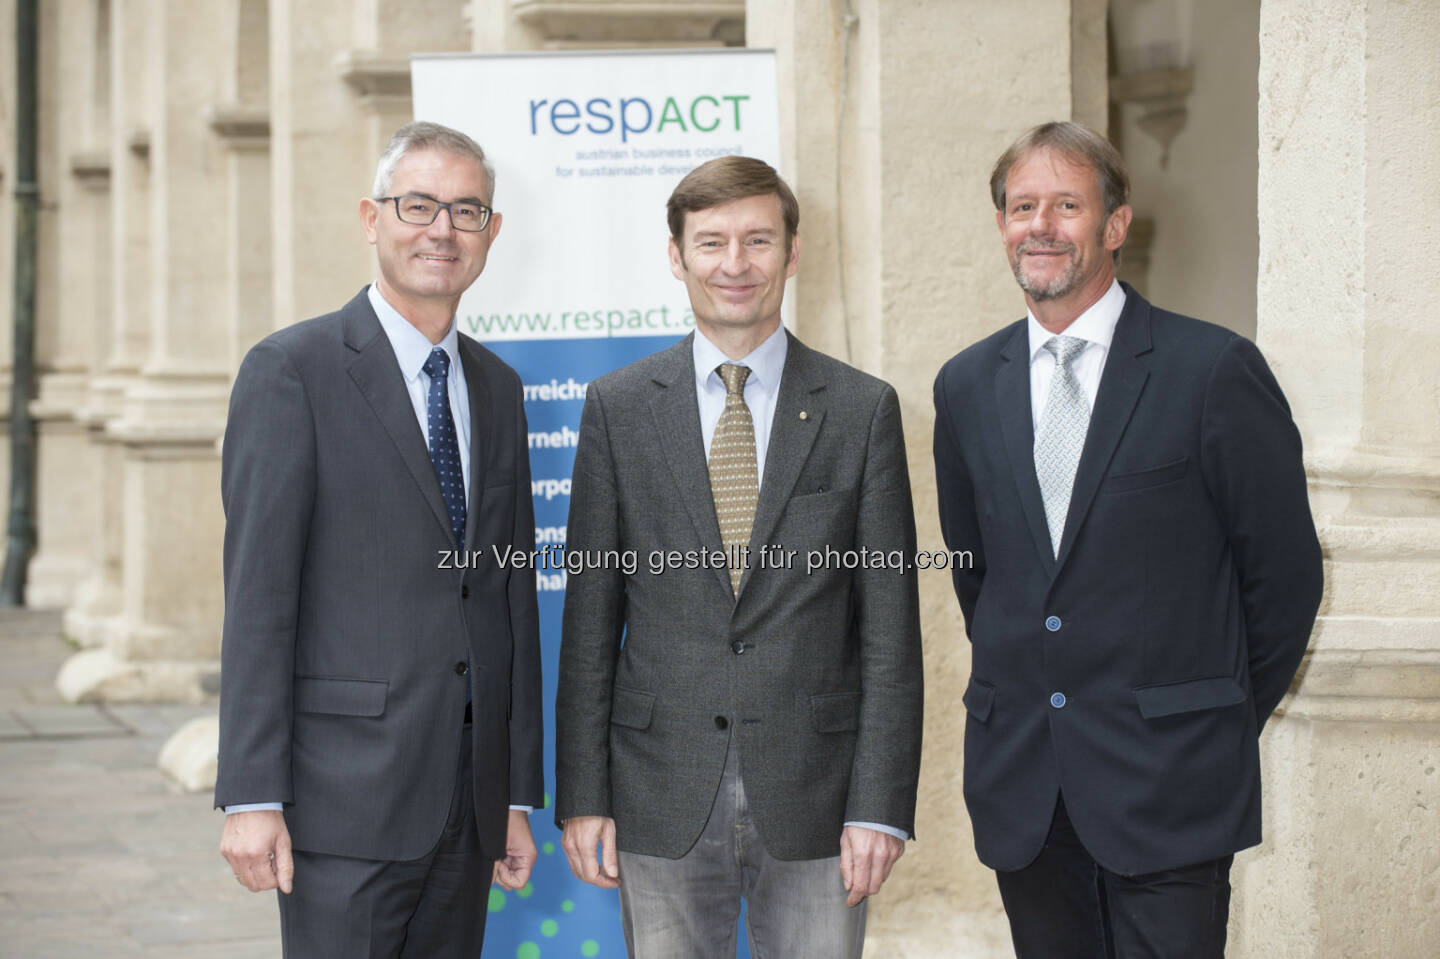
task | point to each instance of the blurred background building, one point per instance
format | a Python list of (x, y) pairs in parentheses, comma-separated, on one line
[(200, 165)]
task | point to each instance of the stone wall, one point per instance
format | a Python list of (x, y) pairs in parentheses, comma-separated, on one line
[(1349, 188), (201, 169)]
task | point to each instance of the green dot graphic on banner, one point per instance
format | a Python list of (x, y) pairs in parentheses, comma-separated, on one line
[(586, 148)]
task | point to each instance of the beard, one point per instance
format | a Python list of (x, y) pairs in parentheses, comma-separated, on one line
[(1061, 284)]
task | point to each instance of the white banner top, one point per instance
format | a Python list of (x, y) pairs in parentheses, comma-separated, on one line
[(586, 148)]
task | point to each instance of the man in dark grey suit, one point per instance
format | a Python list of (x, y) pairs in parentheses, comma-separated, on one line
[(757, 732), (1145, 577), (380, 728)]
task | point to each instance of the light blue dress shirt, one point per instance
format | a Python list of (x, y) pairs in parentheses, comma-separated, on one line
[(412, 348), (762, 388)]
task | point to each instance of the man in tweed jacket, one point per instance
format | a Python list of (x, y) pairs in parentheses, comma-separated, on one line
[(760, 738)]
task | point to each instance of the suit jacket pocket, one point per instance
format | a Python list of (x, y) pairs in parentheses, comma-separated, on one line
[(835, 712), (1168, 699), (496, 477), (832, 499), (1143, 479), (631, 707), (340, 697), (979, 698)]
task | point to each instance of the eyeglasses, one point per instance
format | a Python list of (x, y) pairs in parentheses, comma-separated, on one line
[(422, 211)]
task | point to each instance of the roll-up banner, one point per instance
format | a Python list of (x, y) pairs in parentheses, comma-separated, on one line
[(586, 148)]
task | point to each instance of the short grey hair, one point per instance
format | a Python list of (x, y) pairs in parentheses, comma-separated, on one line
[(423, 135)]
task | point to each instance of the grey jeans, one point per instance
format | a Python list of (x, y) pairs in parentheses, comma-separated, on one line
[(687, 908)]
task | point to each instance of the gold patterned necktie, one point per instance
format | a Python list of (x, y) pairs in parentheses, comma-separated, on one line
[(734, 478)]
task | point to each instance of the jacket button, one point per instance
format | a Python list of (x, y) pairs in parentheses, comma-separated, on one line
[(721, 722), (737, 647), (1052, 623), (464, 592), (1057, 700), (461, 668)]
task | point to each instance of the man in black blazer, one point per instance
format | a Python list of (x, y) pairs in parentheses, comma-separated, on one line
[(757, 733), (380, 727), (1145, 577)]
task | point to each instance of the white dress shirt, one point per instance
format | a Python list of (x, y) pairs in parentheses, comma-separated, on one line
[(1096, 326)]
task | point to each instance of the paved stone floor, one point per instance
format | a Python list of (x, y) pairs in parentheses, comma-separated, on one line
[(102, 856)]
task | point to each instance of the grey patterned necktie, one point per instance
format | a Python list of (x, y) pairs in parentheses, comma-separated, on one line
[(734, 479), (1061, 436)]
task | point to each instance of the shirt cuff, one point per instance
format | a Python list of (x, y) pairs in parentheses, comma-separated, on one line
[(899, 834), (254, 806)]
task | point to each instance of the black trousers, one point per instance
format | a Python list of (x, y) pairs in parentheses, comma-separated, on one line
[(433, 907), (1064, 905)]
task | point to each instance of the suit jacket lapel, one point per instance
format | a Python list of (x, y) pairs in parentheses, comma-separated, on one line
[(481, 425), (677, 423), (376, 373), (791, 439), (1017, 426), (1120, 387)]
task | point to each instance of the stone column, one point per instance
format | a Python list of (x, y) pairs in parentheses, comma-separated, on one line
[(74, 271), (1349, 198), (97, 589), (891, 118), (163, 644), (241, 123), (322, 156), (340, 85), (122, 51), (7, 237)]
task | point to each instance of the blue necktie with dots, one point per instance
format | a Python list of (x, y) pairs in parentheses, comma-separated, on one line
[(444, 450), (445, 453)]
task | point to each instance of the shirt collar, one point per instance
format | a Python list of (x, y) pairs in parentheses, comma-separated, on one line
[(1096, 325), (766, 361), (412, 348)]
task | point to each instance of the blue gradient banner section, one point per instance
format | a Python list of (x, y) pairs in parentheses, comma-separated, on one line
[(557, 916)]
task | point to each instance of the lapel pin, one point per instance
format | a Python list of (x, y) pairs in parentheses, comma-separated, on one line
[(804, 415)]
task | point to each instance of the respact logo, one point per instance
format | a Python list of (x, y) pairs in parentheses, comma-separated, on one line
[(634, 115)]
